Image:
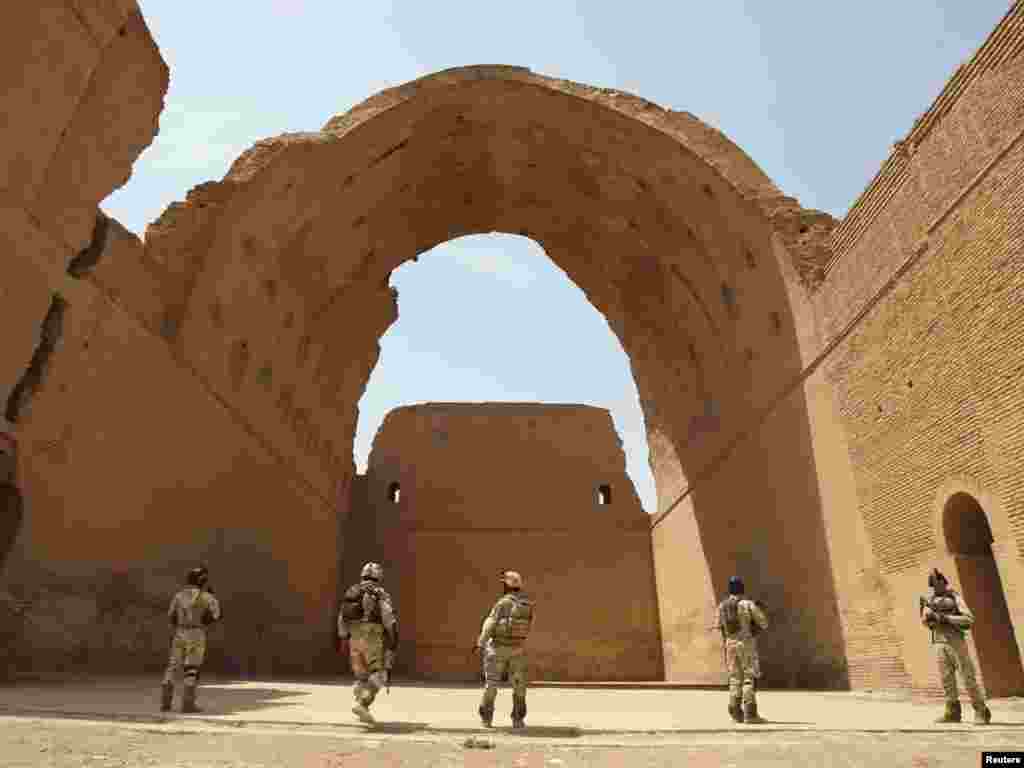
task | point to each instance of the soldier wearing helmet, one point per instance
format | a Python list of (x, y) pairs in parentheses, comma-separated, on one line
[(947, 615), (502, 639), (192, 610), (367, 621), (740, 620)]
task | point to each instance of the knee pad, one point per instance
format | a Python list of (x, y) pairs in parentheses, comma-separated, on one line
[(376, 680), (191, 675)]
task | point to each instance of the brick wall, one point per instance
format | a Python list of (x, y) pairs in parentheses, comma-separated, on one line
[(929, 383)]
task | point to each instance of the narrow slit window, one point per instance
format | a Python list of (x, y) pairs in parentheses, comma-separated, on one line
[(604, 495), (394, 493)]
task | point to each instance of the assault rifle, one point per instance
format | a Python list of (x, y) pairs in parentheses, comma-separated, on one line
[(389, 662), (922, 606)]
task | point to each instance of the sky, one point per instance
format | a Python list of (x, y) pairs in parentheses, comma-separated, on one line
[(815, 93)]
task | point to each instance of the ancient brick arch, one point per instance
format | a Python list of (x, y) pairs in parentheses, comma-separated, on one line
[(279, 293)]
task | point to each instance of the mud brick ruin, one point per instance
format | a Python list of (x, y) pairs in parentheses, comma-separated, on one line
[(833, 407)]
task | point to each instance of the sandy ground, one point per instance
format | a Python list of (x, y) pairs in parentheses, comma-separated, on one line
[(114, 723), (61, 742)]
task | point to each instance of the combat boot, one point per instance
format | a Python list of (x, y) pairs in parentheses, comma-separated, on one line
[(360, 711), (952, 713), (188, 701), (166, 697), (982, 716), (750, 715), (518, 711), (735, 710), (486, 717)]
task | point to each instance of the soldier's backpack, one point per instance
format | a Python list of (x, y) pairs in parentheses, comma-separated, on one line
[(515, 618), (360, 603), (729, 616)]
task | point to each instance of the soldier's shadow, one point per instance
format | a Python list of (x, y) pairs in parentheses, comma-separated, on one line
[(544, 731), (394, 727), (772, 722), (224, 699)]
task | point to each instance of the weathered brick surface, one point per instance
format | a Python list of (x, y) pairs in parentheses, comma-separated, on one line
[(815, 390), (929, 382)]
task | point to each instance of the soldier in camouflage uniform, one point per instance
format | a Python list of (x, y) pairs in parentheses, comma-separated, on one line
[(946, 614), (367, 621), (192, 610), (740, 621), (502, 638)]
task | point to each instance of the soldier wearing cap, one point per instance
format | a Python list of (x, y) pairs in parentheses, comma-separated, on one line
[(192, 610), (502, 639)]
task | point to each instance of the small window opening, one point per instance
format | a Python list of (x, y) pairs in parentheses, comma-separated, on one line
[(604, 495), (728, 296), (751, 261), (776, 322), (394, 493)]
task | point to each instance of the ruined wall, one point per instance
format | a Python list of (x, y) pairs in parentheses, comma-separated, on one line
[(129, 469), (805, 390), (928, 384), (485, 487), (696, 260)]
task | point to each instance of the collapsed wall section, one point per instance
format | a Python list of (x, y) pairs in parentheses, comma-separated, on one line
[(128, 470)]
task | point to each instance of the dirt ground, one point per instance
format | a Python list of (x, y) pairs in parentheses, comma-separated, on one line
[(60, 742)]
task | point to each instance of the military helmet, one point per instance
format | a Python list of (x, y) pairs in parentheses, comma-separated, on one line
[(197, 576), (372, 571), (935, 577), (735, 585), (512, 579)]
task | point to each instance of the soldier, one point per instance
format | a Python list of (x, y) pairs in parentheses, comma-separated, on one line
[(740, 621), (367, 621), (946, 614), (502, 639), (192, 610)]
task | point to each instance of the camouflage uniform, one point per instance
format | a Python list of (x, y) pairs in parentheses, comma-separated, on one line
[(951, 652), (192, 610), (502, 638), (372, 642), (741, 657)]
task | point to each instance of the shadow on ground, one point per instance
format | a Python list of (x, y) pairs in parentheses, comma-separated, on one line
[(546, 731), (217, 700), (395, 727)]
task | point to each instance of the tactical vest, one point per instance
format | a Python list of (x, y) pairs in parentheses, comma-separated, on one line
[(945, 604), (729, 616), (191, 609), (515, 617), (361, 602)]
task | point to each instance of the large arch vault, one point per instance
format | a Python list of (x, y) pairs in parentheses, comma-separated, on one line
[(273, 292)]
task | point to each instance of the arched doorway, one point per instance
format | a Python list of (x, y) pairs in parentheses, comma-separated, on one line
[(969, 540)]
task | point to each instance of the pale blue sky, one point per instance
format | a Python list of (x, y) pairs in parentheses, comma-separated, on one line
[(816, 93)]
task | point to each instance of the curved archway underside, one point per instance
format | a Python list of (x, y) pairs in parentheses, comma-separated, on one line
[(278, 293)]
